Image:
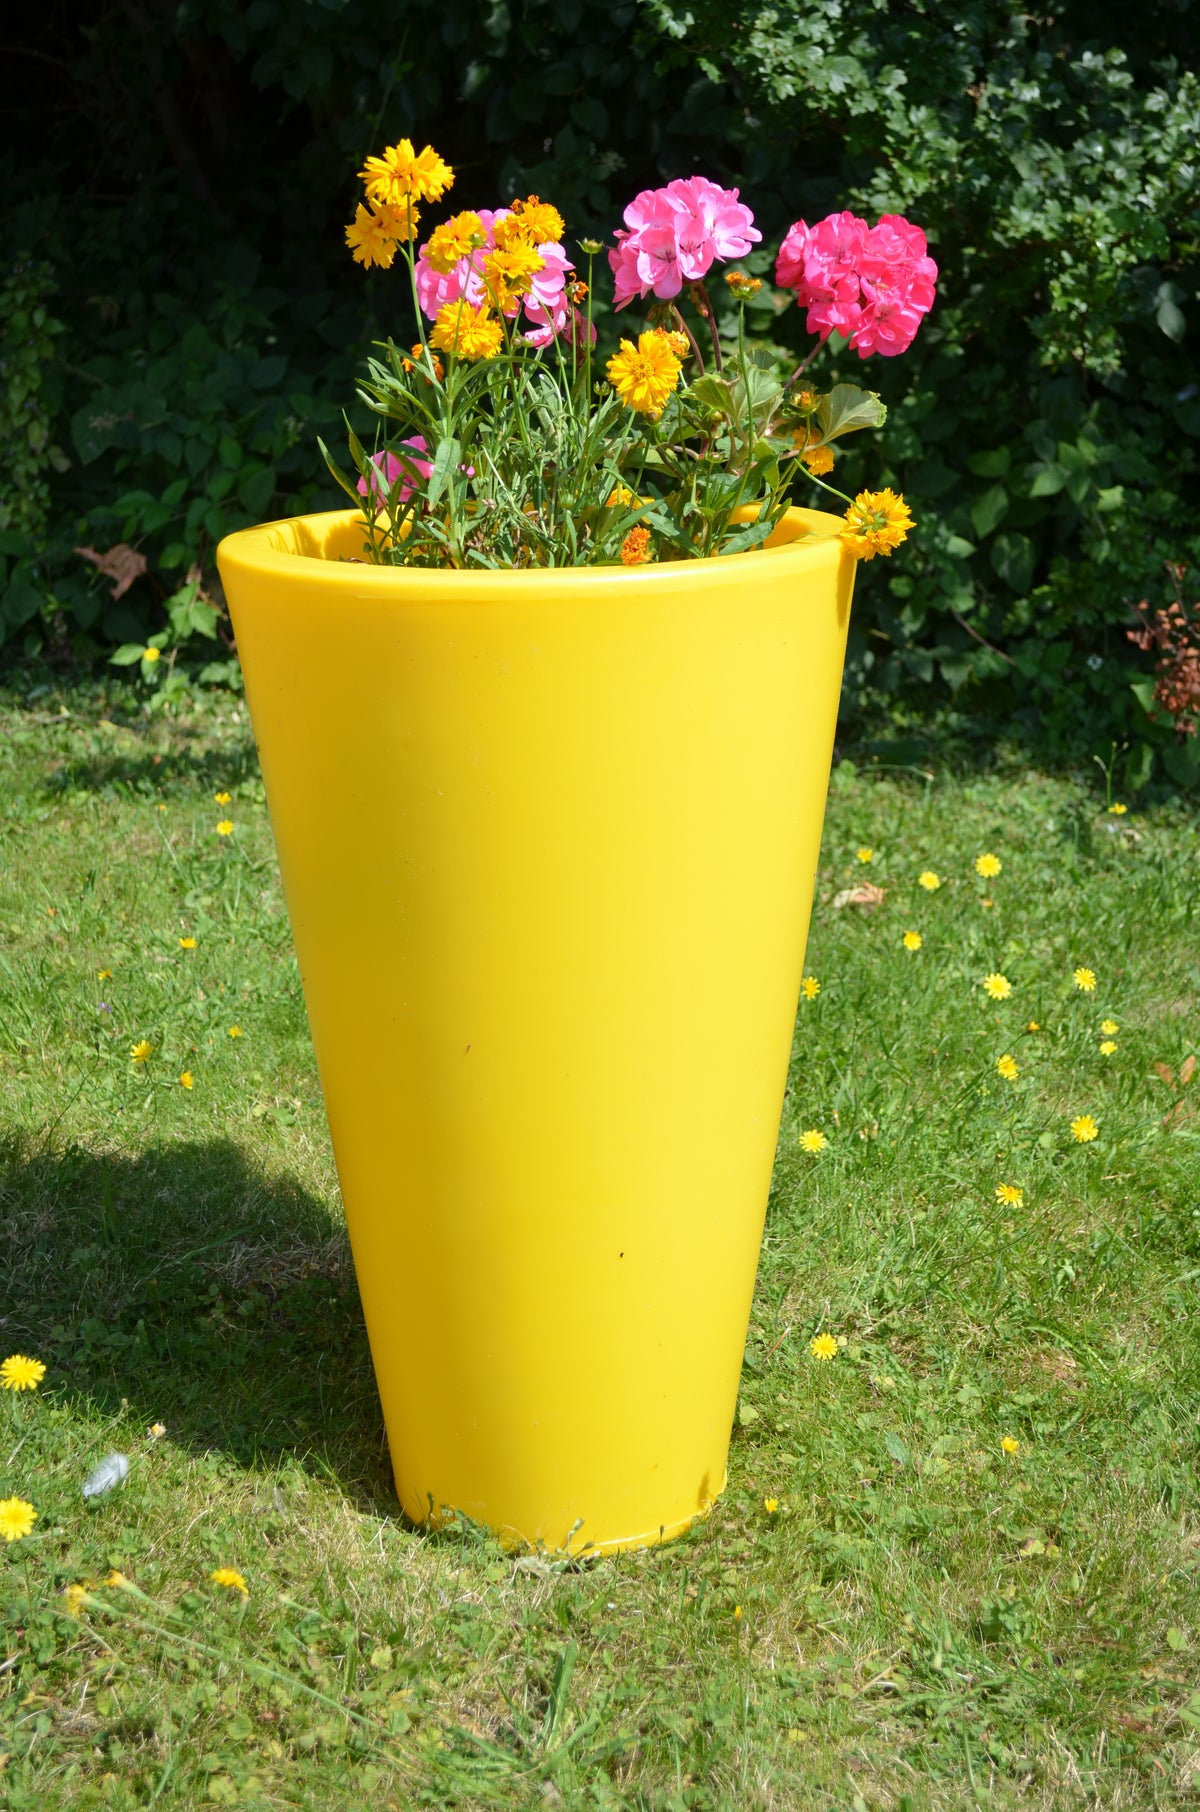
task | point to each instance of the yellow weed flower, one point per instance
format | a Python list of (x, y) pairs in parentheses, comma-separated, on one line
[(644, 375), (104, 975), (1108, 1027), (823, 1346), (223, 798), (374, 234), (229, 1576), (142, 1051), (876, 523), (152, 655), (1084, 1129), (456, 238), (469, 333), (635, 549), (1010, 1444), (770, 1505), (1085, 980), (20, 1373), (998, 986), (74, 1597), (1009, 1195), (810, 987), (16, 1518), (929, 881), (187, 943), (1008, 1067), (1117, 809), (225, 827), (988, 866), (864, 854), (235, 1031), (1107, 1047), (187, 1080), (113, 1578), (812, 1140), (402, 175), (912, 940)]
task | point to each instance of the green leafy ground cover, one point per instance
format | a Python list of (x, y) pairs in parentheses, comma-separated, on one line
[(924, 1621)]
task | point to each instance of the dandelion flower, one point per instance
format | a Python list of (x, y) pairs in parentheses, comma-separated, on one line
[(104, 975), (187, 1080), (1085, 980), (235, 1032), (988, 865), (113, 1578), (644, 375), (998, 986), (223, 798), (812, 1140), (16, 1518), (142, 1051), (229, 1576), (929, 881), (770, 1505), (74, 1597), (1109, 1027), (912, 940), (469, 333), (823, 1346), (864, 854), (1107, 1047), (810, 987), (1117, 809), (1008, 1067), (1010, 1444), (157, 1431), (738, 1613), (876, 523), (1033, 1026), (187, 943), (225, 828), (1084, 1129), (1009, 1195), (152, 655), (635, 549), (20, 1373)]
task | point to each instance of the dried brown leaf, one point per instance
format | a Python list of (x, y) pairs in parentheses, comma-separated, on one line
[(122, 563), (867, 895)]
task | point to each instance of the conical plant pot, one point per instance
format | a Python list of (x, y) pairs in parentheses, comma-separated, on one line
[(548, 841)]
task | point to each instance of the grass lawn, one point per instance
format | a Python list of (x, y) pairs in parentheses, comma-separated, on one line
[(958, 1562)]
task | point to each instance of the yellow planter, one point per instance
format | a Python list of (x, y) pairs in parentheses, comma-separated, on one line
[(548, 841)]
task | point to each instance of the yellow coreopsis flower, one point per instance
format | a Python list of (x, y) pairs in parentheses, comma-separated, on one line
[(876, 523), (21, 1373), (644, 375), (988, 866), (469, 333), (456, 238), (402, 175), (374, 233), (16, 1518), (819, 460), (823, 1346), (507, 275)]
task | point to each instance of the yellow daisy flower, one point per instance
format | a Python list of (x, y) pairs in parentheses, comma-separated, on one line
[(998, 986), (402, 174), (770, 1505), (1009, 1195), (823, 1346), (104, 975), (74, 1597), (187, 1080), (876, 523), (223, 798), (1085, 980), (142, 1051), (20, 1373), (235, 1032), (1107, 1047), (1117, 809), (469, 333), (187, 943), (644, 375)]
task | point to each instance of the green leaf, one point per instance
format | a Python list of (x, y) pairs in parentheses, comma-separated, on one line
[(127, 655), (989, 510), (1168, 314), (747, 538), (847, 408), (1048, 479), (992, 464), (896, 1448), (446, 461), (1013, 560), (713, 393), (1143, 691)]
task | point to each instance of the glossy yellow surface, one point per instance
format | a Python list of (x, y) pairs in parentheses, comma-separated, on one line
[(548, 841)]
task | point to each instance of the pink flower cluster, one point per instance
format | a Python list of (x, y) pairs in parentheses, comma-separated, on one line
[(871, 284), (673, 235), (389, 467), (546, 304)]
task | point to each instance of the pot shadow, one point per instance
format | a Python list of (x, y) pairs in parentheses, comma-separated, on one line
[(200, 1292), (148, 771)]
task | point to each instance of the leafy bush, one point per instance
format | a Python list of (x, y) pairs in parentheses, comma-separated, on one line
[(1044, 428)]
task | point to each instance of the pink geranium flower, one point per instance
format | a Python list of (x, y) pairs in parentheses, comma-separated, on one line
[(873, 285), (673, 236), (388, 468)]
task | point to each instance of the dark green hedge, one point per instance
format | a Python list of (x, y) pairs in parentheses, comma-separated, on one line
[(181, 319)]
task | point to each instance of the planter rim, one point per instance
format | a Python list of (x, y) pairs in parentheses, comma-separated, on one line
[(297, 548)]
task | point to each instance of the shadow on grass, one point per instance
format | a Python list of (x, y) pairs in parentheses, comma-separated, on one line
[(147, 770), (209, 1296)]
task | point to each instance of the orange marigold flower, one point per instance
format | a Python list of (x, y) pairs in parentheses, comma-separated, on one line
[(635, 549)]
